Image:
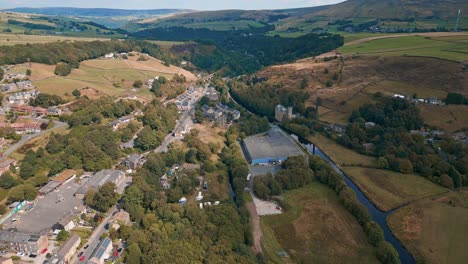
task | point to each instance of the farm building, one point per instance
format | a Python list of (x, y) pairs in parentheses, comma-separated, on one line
[(269, 148)]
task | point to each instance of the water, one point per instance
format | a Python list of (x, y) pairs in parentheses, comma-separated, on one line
[(377, 215)]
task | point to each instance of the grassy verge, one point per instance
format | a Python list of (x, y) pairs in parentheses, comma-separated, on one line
[(317, 229), (388, 189), (434, 230), (340, 154)]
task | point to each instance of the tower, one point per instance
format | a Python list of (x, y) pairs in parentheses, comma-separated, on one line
[(457, 22)]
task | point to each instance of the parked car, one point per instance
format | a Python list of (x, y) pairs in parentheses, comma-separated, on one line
[(86, 246), (44, 251), (21, 254), (80, 254), (82, 258)]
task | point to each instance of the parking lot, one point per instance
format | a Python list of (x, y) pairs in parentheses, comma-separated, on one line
[(47, 210)]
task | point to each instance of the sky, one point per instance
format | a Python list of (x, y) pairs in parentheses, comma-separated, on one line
[(156, 4)]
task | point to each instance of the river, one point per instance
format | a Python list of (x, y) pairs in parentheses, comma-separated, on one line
[(377, 215)]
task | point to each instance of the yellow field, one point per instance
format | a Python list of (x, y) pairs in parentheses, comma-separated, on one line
[(388, 189), (450, 118), (390, 88), (340, 154), (434, 230), (13, 39)]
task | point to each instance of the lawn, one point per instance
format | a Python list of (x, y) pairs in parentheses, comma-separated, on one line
[(450, 118), (317, 229), (434, 230), (388, 189), (340, 154), (412, 46)]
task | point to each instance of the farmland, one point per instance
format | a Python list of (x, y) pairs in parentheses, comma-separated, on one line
[(449, 48), (450, 118), (434, 230), (388, 190), (308, 231), (104, 77), (13, 39)]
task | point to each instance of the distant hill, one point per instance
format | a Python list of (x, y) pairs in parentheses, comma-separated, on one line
[(112, 18)]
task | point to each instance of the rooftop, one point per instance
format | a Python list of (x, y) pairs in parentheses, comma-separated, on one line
[(69, 244)]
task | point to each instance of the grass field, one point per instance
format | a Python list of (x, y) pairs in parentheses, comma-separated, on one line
[(388, 189), (450, 118), (434, 230), (13, 39), (317, 229), (389, 88), (340, 154), (412, 46)]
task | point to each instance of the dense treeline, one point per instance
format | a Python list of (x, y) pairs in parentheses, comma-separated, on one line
[(385, 129), (73, 52), (30, 25), (158, 121), (261, 98), (46, 100), (242, 51)]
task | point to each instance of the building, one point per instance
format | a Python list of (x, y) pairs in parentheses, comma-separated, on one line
[(2, 142), (22, 97), (212, 94), (6, 164), (283, 114), (54, 111), (22, 242), (23, 109), (121, 217), (133, 161), (109, 56), (68, 250), (20, 128), (102, 252), (49, 187), (57, 181), (9, 87), (66, 223), (99, 179), (123, 120), (25, 85)]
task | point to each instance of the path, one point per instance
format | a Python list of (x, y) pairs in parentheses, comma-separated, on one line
[(256, 228), (430, 34)]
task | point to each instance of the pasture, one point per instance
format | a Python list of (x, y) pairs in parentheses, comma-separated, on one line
[(454, 48), (388, 189), (317, 229), (14, 39), (450, 118), (434, 230)]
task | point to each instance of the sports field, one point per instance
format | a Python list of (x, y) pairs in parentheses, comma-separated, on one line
[(317, 229), (452, 48), (388, 189), (434, 230)]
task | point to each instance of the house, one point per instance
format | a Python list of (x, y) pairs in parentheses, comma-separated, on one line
[(164, 181), (340, 129), (6, 164), (283, 114), (183, 201), (8, 87), (121, 217), (123, 120), (102, 252), (399, 96), (68, 250), (369, 124), (25, 85), (133, 161), (212, 94), (28, 243), (109, 56), (54, 111), (20, 128), (66, 223), (23, 109)]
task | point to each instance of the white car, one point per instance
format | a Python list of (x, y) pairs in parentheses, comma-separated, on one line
[(21, 254)]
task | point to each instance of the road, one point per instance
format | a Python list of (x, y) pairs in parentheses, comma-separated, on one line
[(94, 239), (27, 137)]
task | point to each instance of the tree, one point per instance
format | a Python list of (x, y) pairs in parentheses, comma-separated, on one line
[(147, 139), (3, 209), (62, 69), (22, 192), (133, 254), (446, 181), (137, 84), (387, 254), (63, 235), (76, 93), (7, 181), (28, 72), (374, 233), (304, 83)]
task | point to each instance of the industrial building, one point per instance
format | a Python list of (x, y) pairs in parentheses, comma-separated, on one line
[(270, 148), (99, 179), (29, 243)]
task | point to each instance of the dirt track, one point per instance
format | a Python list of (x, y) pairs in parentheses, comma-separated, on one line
[(256, 229)]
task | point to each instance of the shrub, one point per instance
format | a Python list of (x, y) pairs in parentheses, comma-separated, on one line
[(62, 69)]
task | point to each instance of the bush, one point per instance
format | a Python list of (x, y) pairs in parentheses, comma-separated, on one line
[(62, 69), (387, 254), (138, 84)]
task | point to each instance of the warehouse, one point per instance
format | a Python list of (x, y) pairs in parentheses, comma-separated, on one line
[(270, 148)]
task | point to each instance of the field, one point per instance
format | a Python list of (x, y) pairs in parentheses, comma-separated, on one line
[(103, 77), (388, 190), (340, 154), (389, 88), (450, 118), (317, 229), (434, 230), (13, 39), (454, 48)]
